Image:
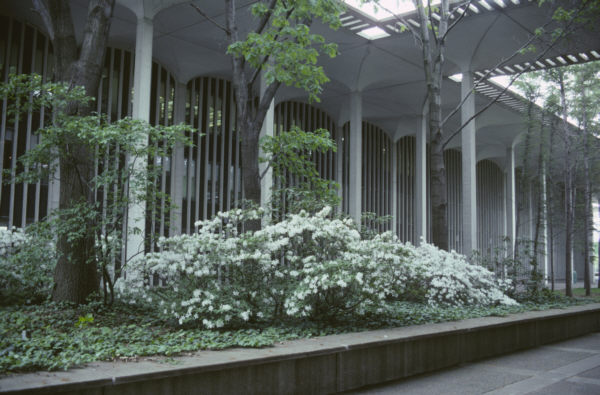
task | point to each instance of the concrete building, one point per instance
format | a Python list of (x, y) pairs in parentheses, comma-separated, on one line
[(166, 64)]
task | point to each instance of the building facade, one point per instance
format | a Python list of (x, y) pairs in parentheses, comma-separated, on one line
[(166, 64)]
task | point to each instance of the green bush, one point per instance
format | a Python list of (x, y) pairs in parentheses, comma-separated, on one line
[(305, 267), (27, 260)]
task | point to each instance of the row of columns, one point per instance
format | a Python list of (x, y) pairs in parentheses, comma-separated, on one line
[(469, 171), (141, 110), (469, 163)]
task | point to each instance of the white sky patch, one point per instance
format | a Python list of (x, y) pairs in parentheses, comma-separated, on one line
[(456, 77), (373, 33), (385, 9)]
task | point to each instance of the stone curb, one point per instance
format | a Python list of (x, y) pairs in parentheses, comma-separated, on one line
[(320, 365)]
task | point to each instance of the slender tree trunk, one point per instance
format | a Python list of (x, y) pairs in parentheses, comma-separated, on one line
[(249, 130), (439, 198), (250, 117), (568, 180), (587, 210), (587, 250), (76, 274), (433, 51), (550, 203), (552, 277)]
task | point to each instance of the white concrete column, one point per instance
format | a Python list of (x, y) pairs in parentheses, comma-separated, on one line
[(142, 81), (511, 207), (339, 164), (421, 179), (355, 157), (266, 183), (469, 167), (54, 190), (177, 164), (395, 188)]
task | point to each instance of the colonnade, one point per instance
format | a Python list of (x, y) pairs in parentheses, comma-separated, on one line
[(376, 172)]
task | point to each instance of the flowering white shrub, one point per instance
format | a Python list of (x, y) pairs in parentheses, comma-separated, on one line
[(27, 260), (304, 266), (450, 279), (216, 276)]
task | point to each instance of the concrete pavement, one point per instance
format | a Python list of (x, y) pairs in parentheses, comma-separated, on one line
[(569, 367)]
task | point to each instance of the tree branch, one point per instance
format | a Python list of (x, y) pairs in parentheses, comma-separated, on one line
[(265, 101), (495, 99), (208, 18), (265, 18), (40, 7), (453, 24)]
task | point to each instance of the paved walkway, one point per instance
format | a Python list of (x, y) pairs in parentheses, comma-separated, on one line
[(570, 367)]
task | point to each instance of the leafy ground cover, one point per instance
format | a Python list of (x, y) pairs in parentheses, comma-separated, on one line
[(58, 336), (581, 292)]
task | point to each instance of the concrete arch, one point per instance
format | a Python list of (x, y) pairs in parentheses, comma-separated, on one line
[(149, 8), (491, 151)]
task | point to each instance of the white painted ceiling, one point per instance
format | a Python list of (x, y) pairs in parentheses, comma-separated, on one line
[(387, 71)]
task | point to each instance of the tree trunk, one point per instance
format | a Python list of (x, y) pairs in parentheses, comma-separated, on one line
[(439, 198), (76, 276), (250, 171), (569, 214), (551, 236), (587, 210), (569, 233), (433, 49)]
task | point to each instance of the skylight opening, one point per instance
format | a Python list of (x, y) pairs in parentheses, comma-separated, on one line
[(353, 22), (359, 26), (373, 33), (413, 22), (385, 9), (456, 77), (486, 5)]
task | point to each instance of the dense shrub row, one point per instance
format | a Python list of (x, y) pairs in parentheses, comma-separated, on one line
[(27, 260), (304, 266)]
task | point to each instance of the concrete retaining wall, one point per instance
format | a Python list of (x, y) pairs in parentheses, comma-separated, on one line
[(321, 365)]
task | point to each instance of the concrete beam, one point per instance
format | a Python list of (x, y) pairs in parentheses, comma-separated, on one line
[(266, 183), (178, 163), (355, 157), (421, 179), (142, 82), (469, 166), (511, 200)]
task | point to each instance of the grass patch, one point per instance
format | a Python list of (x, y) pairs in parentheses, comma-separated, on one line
[(580, 292), (59, 336)]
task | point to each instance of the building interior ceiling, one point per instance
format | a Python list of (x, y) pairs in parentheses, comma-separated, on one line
[(387, 71)]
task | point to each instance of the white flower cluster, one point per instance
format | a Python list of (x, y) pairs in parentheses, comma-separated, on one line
[(27, 260), (305, 266), (450, 279), (11, 240)]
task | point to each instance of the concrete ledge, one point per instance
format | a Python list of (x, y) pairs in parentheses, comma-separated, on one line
[(320, 365)]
